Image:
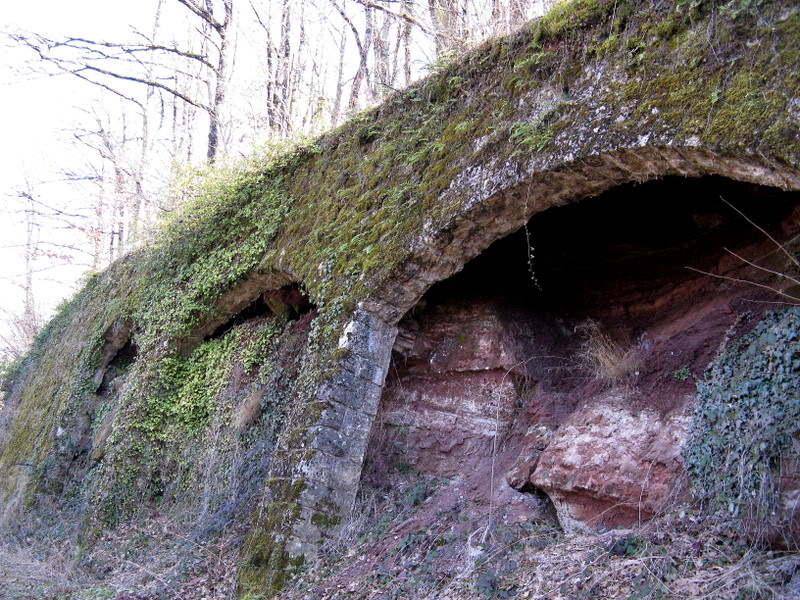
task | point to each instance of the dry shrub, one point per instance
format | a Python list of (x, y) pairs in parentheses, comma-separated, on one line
[(606, 359), (348, 536), (248, 412), (44, 573)]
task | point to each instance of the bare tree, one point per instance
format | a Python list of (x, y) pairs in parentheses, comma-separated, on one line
[(116, 66), (22, 327), (449, 19)]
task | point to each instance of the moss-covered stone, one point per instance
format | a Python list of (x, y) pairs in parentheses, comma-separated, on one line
[(350, 215)]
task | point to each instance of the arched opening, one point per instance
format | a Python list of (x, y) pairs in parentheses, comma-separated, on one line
[(587, 316), (290, 302), (248, 353)]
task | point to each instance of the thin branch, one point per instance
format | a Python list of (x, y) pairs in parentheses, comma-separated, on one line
[(77, 69), (739, 280), (765, 269), (57, 211), (762, 230), (402, 17), (147, 82), (131, 49), (202, 13)]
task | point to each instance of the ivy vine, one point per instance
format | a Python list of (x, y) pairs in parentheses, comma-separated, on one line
[(747, 412)]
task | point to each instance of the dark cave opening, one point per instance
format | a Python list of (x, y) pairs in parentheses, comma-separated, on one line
[(119, 365), (621, 262), (609, 248), (290, 302), (503, 342)]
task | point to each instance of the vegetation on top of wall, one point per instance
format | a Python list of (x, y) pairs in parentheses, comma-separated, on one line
[(339, 215), (747, 412), (219, 236)]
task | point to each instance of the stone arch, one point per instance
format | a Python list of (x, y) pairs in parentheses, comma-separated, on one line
[(494, 210), (498, 203), (443, 253), (266, 287)]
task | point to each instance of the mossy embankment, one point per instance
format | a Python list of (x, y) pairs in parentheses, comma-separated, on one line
[(340, 215)]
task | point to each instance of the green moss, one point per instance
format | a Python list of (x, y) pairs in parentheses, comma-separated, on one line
[(53, 383), (266, 564), (342, 214), (325, 521), (610, 45), (569, 15)]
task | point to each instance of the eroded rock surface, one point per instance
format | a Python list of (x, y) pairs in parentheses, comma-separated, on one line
[(457, 385), (491, 373), (610, 465)]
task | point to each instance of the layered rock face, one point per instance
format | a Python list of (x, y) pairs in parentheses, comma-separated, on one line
[(591, 387), (453, 389), (494, 376)]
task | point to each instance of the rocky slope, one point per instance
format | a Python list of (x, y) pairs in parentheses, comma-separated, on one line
[(468, 313)]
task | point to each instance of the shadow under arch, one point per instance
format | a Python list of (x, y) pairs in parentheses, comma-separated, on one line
[(472, 237), (277, 292), (350, 400), (486, 218)]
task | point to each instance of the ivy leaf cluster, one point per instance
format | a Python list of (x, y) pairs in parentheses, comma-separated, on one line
[(747, 412)]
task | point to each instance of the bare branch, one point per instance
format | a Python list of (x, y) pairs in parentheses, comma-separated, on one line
[(740, 280), (202, 13), (764, 269), (762, 230), (147, 82), (129, 49), (394, 15)]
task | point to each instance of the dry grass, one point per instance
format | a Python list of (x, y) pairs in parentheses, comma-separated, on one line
[(248, 412), (680, 556), (683, 554), (49, 574), (155, 558), (607, 360), (348, 538)]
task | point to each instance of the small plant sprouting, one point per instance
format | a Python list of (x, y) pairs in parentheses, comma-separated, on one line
[(531, 136), (405, 468), (627, 546), (682, 374)]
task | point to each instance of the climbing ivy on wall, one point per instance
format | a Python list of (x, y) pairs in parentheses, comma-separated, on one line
[(189, 385), (217, 237), (747, 411), (342, 214)]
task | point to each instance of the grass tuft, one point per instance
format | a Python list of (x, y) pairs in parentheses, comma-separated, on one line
[(607, 360)]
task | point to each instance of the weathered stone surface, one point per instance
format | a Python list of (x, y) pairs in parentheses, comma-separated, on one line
[(610, 465), (329, 474), (380, 237), (454, 389), (536, 440)]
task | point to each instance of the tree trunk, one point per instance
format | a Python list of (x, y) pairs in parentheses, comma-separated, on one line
[(337, 100), (215, 107), (362, 73)]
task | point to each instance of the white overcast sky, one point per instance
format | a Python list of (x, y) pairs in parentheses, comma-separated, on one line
[(36, 114)]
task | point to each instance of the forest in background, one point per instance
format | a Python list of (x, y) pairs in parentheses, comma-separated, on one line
[(195, 86)]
